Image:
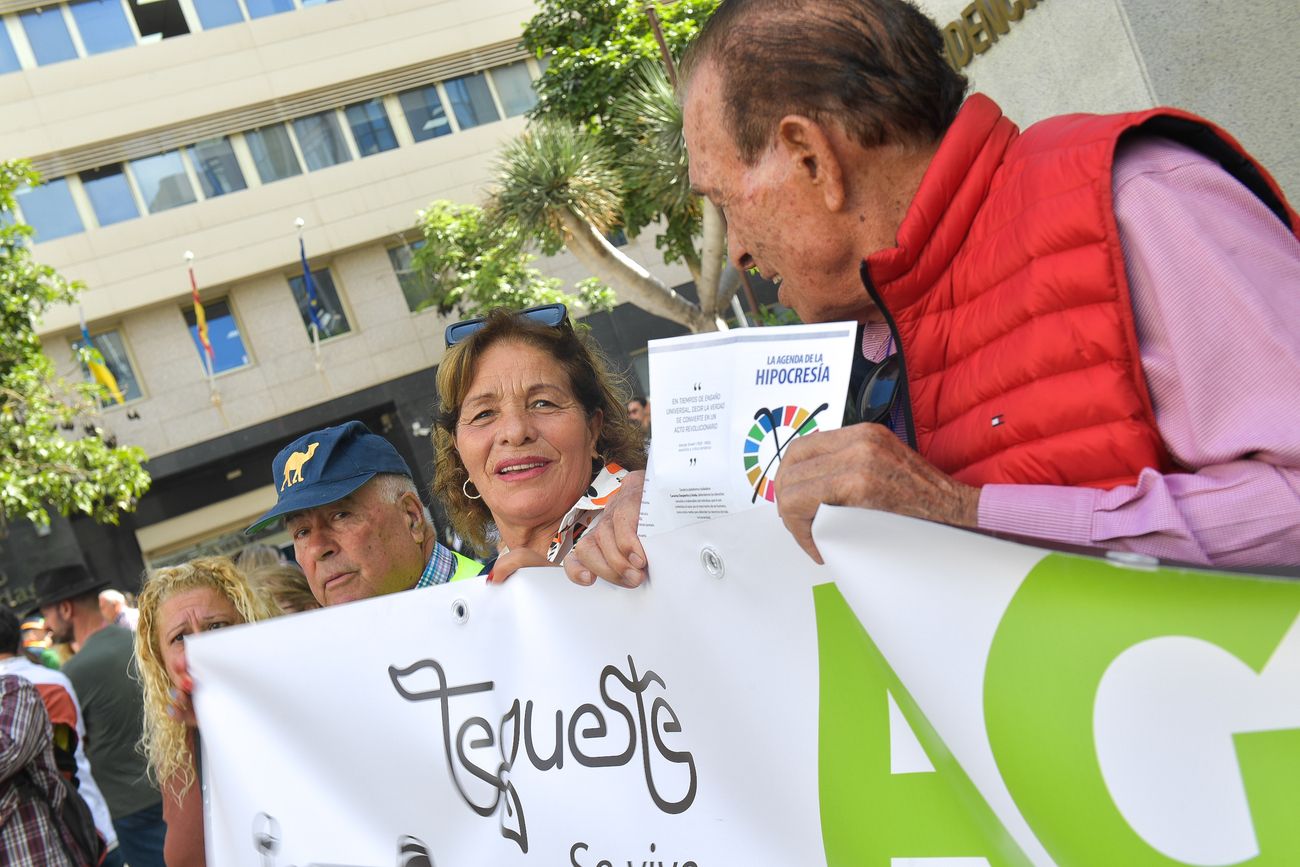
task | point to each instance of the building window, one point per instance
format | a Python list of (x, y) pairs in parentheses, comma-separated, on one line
[(109, 194), (8, 57), (223, 333), (370, 127), (321, 140), (218, 13), (48, 35), (215, 164), (424, 113), (102, 25), (515, 87), (162, 181), (416, 287), (329, 317), (49, 210), (273, 153), (471, 100), (263, 8), (113, 349), (158, 19)]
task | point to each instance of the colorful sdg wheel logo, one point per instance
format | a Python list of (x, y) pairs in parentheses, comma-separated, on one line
[(773, 430)]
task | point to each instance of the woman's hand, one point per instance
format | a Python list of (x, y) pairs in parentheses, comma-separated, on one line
[(181, 708), (511, 561)]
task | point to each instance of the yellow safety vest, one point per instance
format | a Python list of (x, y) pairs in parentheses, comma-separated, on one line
[(465, 567)]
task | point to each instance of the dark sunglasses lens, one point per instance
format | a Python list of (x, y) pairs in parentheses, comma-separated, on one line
[(877, 395), (460, 330), (550, 315)]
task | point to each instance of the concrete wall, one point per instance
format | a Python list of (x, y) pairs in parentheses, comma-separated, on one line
[(1231, 62)]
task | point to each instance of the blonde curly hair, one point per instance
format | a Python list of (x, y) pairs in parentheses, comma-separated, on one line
[(596, 386), (165, 741)]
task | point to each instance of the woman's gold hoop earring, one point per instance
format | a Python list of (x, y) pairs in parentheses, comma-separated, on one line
[(464, 489)]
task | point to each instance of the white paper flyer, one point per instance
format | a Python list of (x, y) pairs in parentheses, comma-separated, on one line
[(723, 409)]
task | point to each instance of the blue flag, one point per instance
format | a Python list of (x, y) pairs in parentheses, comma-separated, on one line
[(314, 309)]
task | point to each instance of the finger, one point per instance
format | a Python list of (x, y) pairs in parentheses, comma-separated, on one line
[(576, 570), (618, 569), (798, 516), (592, 553)]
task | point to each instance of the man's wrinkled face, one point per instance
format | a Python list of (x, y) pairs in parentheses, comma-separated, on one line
[(776, 220), (360, 546)]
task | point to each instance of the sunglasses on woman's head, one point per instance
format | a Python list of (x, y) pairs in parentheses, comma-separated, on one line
[(552, 315)]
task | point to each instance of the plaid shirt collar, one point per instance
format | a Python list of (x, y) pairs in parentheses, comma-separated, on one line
[(439, 569)]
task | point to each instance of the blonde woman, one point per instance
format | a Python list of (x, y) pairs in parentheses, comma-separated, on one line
[(199, 596)]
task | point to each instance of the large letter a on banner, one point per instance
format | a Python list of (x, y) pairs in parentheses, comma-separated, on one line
[(870, 815)]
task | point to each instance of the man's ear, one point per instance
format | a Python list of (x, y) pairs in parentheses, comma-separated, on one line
[(413, 511), (812, 156)]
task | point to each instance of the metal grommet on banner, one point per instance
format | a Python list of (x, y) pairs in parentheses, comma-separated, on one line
[(460, 610), (1133, 559), (266, 834), (711, 560)]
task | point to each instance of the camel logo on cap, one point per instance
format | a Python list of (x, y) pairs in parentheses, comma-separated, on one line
[(293, 466)]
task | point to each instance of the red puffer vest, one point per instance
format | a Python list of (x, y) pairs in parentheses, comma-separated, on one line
[(1009, 303)]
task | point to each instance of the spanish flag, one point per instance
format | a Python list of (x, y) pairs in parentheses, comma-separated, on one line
[(201, 320), (95, 361)]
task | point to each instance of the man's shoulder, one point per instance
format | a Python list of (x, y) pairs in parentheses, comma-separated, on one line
[(108, 646)]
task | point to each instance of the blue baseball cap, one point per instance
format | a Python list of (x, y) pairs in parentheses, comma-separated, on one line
[(325, 466)]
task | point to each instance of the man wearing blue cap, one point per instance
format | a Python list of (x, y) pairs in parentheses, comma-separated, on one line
[(358, 526)]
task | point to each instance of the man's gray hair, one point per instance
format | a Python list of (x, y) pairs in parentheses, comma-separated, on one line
[(391, 487)]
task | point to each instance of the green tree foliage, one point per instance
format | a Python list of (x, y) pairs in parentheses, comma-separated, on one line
[(472, 264), (44, 460), (598, 54)]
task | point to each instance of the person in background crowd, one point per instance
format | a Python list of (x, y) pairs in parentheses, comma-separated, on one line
[(256, 557), (638, 410), (112, 603), (358, 526), (36, 643), (102, 672), (1043, 299), (178, 601), (286, 586), (68, 727), (532, 436), (32, 833)]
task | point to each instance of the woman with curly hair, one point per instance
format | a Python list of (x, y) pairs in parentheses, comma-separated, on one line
[(199, 596), (532, 434)]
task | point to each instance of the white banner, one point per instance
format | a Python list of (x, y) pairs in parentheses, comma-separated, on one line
[(928, 697)]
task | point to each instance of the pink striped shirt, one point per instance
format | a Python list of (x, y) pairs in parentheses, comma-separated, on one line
[(1215, 282)]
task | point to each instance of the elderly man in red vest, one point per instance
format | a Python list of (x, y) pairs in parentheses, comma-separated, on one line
[(1092, 322)]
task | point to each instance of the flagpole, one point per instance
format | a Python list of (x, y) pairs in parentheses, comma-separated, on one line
[(209, 368), (315, 329)]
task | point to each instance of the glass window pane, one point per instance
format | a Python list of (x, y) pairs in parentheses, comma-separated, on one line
[(162, 181), (215, 164), (48, 35), (370, 127), (424, 114), (471, 100), (102, 24), (218, 13), (321, 140), (515, 87), (324, 300), (110, 195), (273, 153), (416, 288), (223, 333), (49, 210), (159, 19), (262, 8), (8, 57), (113, 350)]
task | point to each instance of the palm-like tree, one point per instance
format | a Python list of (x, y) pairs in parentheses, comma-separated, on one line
[(564, 186)]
